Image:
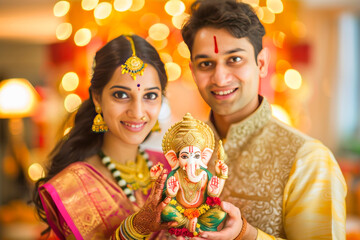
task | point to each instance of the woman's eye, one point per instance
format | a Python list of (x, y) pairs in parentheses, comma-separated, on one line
[(151, 96), (120, 95)]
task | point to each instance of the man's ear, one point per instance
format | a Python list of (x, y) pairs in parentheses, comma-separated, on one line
[(263, 60)]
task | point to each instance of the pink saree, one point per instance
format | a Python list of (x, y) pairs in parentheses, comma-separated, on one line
[(80, 203)]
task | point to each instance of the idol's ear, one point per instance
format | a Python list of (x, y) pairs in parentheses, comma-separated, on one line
[(263, 60), (172, 159), (205, 156)]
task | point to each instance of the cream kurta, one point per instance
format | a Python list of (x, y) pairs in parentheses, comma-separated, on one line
[(286, 184)]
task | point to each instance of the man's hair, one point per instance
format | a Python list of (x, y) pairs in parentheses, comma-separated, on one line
[(238, 18)]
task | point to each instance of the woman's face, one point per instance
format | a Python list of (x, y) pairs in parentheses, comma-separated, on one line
[(130, 107)]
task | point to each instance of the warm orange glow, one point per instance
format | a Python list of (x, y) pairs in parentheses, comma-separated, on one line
[(18, 98), (277, 82), (72, 102), (63, 31), (278, 39), (82, 37), (159, 31), (149, 19), (293, 79), (122, 5), (174, 7), (157, 44), (298, 29), (137, 5), (173, 71), (61, 8), (251, 2), (89, 5), (70, 81), (282, 65)]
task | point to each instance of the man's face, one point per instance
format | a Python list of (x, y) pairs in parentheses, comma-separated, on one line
[(226, 71)]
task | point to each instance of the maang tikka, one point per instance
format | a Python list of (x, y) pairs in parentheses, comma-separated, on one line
[(133, 65)]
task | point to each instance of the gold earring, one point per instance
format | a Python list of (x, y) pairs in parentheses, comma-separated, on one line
[(98, 124), (156, 127)]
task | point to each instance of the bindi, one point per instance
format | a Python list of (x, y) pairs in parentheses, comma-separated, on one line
[(216, 50), (138, 85)]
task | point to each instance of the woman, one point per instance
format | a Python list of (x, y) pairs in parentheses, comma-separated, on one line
[(98, 183)]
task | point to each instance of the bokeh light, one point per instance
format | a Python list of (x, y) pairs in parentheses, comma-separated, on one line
[(173, 71), (280, 113), (61, 8), (159, 31), (89, 5), (279, 38), (183, 50), (298, 29), (179, 20), (36, 171), (276, 6), (293, 79), (103, 10), (282, 65), (70, 81), (63, 31), (137, 5), (149, 19), (268, 17), (122, 5), (165, 57), (72, 102), (82, 37), (174, 7)]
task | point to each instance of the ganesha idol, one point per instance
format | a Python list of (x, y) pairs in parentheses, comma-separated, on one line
[(188, 146)]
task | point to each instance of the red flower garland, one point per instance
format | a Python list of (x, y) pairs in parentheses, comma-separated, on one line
[(212, 201)]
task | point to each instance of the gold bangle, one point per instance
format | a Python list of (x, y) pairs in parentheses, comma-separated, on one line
[(243, 229), (131, 230)]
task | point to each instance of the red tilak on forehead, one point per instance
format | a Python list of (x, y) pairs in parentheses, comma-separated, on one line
[(216, 50), (191, 149)]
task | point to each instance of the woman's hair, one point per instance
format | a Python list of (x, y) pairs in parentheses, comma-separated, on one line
[(238, 18), (81, 142)]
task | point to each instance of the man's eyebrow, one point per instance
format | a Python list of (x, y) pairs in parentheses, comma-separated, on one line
[(117, 86), (227, 52)]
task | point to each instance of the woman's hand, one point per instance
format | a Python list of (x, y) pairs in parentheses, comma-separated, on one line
[(148, 219), (232, 226)]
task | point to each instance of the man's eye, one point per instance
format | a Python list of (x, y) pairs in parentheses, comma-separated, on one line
[(235, 59), (151, 96), (205, 64), (120, 95)]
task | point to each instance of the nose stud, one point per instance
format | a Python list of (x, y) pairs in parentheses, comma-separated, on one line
[(143, 118)]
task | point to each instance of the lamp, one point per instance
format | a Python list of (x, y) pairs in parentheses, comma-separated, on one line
[(18, 98)]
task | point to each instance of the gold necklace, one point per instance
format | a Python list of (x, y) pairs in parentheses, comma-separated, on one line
[(128, 180), (190, 188)]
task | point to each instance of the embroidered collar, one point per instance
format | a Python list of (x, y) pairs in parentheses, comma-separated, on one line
[(240, 132)]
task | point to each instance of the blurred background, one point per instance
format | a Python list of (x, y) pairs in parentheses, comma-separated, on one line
[(46, 53)]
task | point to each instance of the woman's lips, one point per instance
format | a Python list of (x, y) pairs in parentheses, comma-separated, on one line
[(133, 126)]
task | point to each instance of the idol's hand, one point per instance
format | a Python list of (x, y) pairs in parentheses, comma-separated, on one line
[(232, 226), (148, 219), (221, 169), (172, 186)]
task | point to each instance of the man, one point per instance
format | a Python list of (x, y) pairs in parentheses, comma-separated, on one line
[(286, 184)]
